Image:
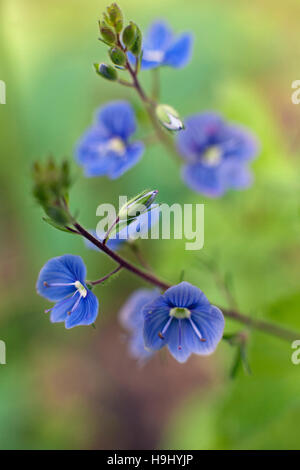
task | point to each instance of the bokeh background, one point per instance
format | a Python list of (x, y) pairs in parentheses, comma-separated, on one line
[(79, 388)]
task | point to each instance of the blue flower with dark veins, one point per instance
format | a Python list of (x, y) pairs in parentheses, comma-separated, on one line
[(184, 320), (62, 280), (162, 47), (217, 154), (138, 228), (106, 148), (132, 319)]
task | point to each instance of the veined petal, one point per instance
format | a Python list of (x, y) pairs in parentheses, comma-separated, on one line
[(211, 327), (186, 295), (156, 315), (180, 52), (85, 313), (59, 312), (118, 118), (64, 269), (178, 342)]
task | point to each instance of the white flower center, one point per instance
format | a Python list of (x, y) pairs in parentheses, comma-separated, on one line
[(212, 156), (81, 289), (116, 145), (180, 313), (153, 55)]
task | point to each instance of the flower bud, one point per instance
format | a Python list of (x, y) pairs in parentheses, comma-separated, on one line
[(50, 189), (137, 205), (169, 117), (117, 56), (129, 35), (106, 71), (107, 33), (115, 17), (136, 47)]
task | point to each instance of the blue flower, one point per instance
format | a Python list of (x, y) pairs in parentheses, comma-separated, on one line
[(139, 227), (62, 280), (184, 320), (132, 319), (217, 154), (162, 47), (105, 148)]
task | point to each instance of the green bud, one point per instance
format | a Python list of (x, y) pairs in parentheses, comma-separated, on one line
[(115, 16), (50, 189), (106, 71), (136, 47), (169, 117), (129, 35), (137, 205), (107, 33), (117, 56)]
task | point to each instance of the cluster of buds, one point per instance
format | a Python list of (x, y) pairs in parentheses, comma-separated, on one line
[(51, 185), (120, 39)]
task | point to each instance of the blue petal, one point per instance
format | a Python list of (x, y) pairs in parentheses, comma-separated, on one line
[(86, 312), (122, 164), (239, 143), (137, 347), (211, 328), (144, 222), (180, 52), (87, 149), (158, 36), (60, 310), (156, 315), (185, 295), (131, 315), (118, 118), (198, 134), (64, 269), (204, 179), (235, 174), (179, 347)]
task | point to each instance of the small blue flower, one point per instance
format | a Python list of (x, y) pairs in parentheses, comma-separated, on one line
[(132, 319), (162, 47), (62, 280), (184, 320), (217, 154), (105, 149), (138, 227)]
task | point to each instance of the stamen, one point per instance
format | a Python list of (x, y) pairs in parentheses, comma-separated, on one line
[(62, 301), (75, 305), (179, 336), (58, 284), (161, 334), (196, 330)]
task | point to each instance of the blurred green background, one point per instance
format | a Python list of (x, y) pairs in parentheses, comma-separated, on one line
[(79, 388)]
